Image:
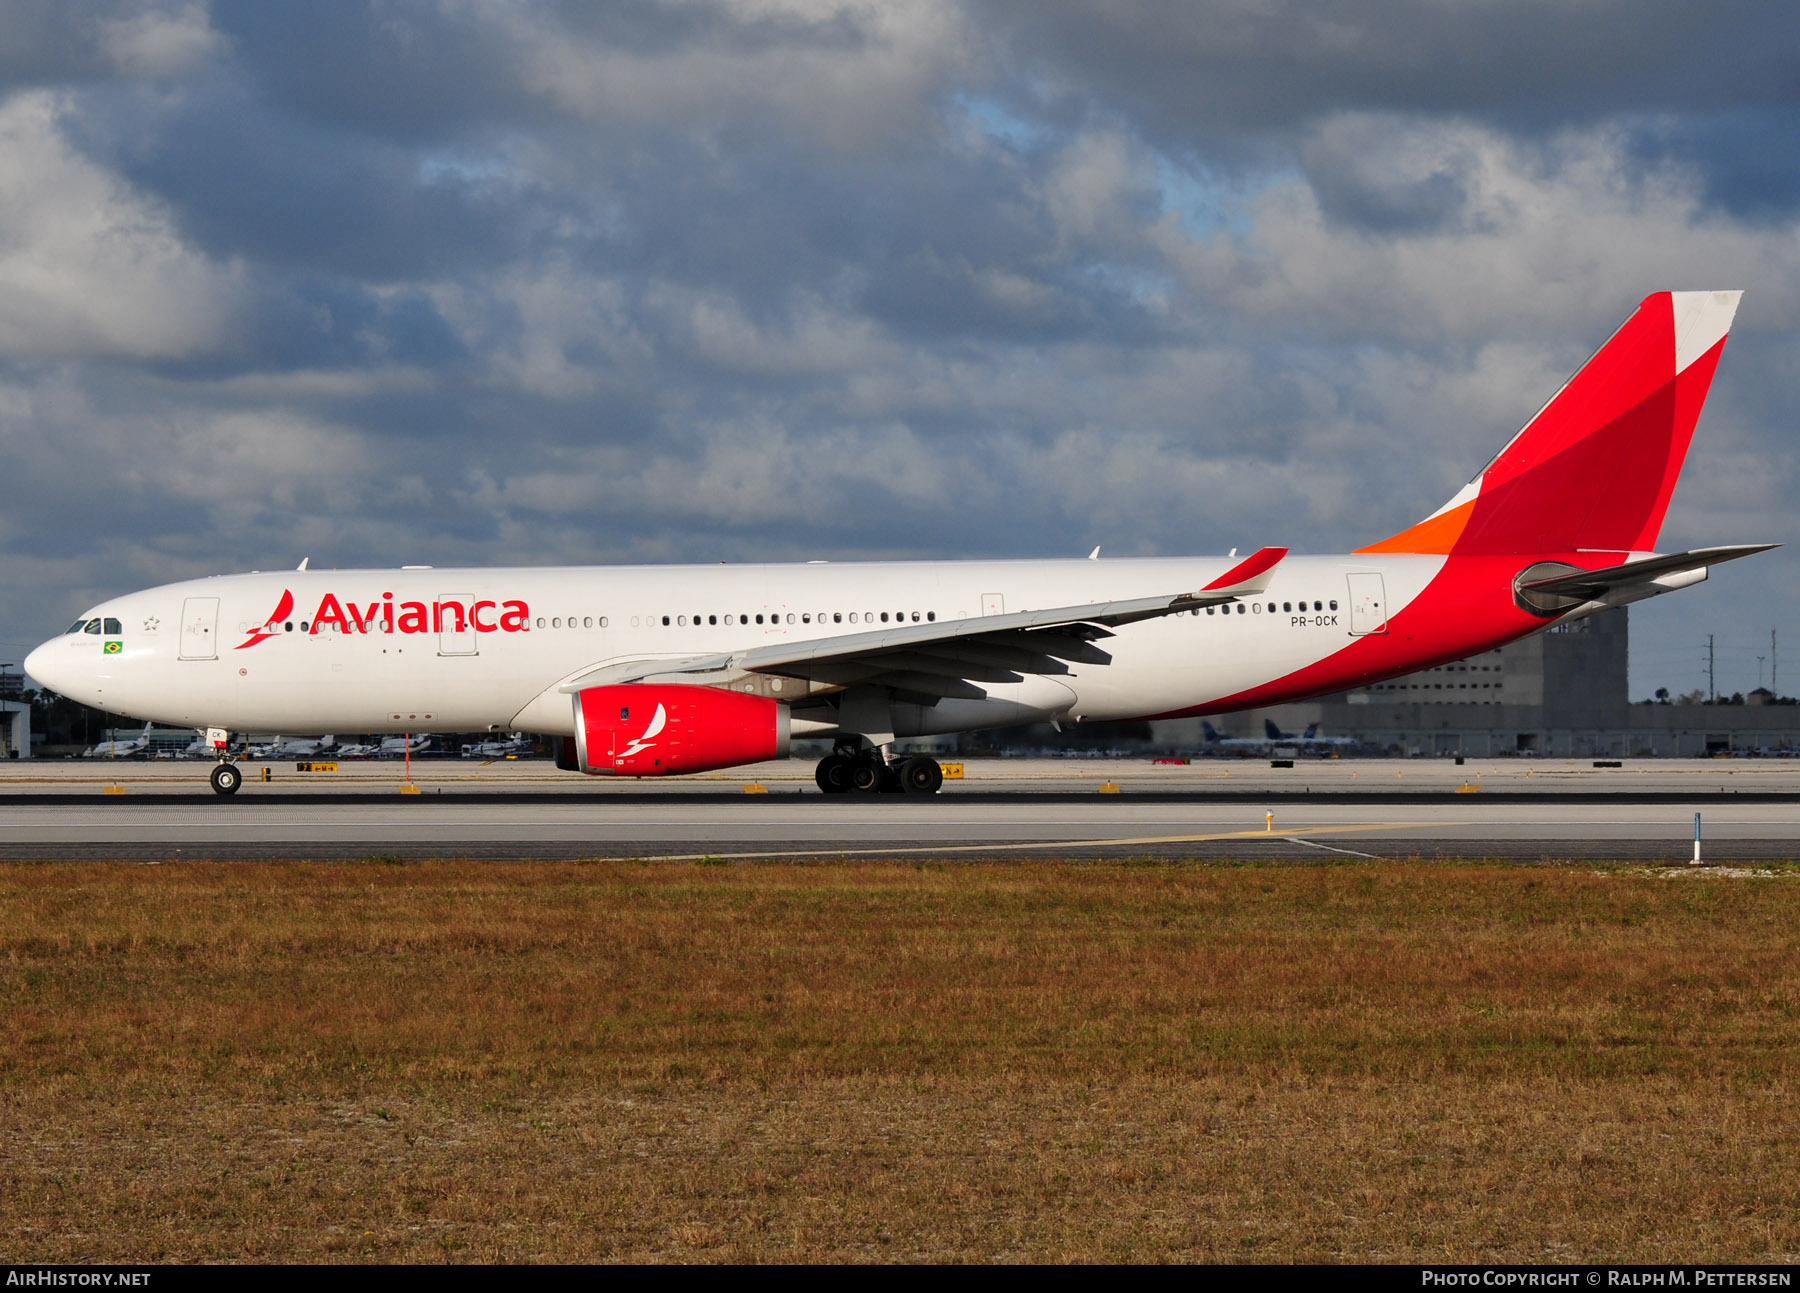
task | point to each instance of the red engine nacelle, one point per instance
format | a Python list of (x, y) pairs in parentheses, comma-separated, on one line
[(655, 729)]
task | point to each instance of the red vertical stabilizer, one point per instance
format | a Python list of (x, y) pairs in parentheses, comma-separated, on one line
[(1595, 468)]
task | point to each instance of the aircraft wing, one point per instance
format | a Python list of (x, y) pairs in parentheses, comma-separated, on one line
[(1595, 585), (952, 658)]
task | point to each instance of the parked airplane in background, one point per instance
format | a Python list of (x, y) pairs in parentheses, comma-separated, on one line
[(398, 747), (119, 747), (303, 749), (1219, 743), (650, 671), (1308, 741), (510, 748)]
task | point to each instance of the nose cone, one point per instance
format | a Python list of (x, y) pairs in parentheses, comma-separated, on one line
[(52, 666), (38, 667)]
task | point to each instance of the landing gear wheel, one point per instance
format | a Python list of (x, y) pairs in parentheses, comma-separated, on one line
[(833, 774), (226, 778), (921, 776), (866, 776)]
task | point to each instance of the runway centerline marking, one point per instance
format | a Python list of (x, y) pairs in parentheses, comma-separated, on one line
[(1312, 844), (1144, 840)]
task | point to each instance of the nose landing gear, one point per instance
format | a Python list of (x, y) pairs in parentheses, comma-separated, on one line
[(226, 778), (868, 773)]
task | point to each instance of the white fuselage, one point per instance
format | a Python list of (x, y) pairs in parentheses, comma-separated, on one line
[(396, 661)]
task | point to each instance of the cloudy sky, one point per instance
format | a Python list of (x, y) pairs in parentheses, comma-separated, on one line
[(444, 281)]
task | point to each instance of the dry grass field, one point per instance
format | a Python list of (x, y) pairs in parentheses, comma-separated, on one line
[(1033, 1061)]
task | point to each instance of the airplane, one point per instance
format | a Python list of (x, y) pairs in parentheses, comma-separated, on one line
[(303, 749), (398, 747), (1244, 745), (649, 671), (120, 747), (510, 748), (1309, 740)]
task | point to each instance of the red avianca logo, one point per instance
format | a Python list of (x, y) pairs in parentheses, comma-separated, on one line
[(389, 616), (271, 626)]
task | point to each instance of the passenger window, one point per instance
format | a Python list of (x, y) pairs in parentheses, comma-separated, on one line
[(665, 621), (1257, 608), (853, 617), (681, 621), (714, 619), (837, 617), (1240, 608), (1211, 609), (790, 617), (884, 617), (759, 619), (932, 616), (1334, 603), (1287, 608), (603, 621), (806, 618)]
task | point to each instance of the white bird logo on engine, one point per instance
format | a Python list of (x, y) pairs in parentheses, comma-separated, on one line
[(640, 743)]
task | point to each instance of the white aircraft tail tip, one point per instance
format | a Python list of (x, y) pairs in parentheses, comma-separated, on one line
[(1701, 320)]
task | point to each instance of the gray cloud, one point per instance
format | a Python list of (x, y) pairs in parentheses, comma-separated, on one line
[(397, 280)]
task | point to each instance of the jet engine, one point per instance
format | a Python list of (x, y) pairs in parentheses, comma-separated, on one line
[(656, 729)]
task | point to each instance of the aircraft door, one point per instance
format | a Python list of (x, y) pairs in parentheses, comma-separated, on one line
[(993, 604), (1368, 603), (456, 628), (200, 628)]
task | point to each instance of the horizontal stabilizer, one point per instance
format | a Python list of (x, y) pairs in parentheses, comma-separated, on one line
[(1592, 585)]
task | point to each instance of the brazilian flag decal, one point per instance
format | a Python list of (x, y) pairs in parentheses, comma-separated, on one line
[(113, 648)]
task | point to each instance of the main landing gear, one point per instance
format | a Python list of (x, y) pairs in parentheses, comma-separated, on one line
[(226, 778), (868, 773)]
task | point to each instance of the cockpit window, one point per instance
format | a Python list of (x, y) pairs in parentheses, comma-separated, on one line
[(76, 627), (92, 626), (113, 627)]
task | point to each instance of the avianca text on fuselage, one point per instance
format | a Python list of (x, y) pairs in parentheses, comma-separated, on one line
[(350, 616)]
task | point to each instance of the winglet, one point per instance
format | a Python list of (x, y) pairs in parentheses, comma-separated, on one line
[(1251, 575)]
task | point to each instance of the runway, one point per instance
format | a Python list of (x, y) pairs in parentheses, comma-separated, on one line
[(1334, 809)]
